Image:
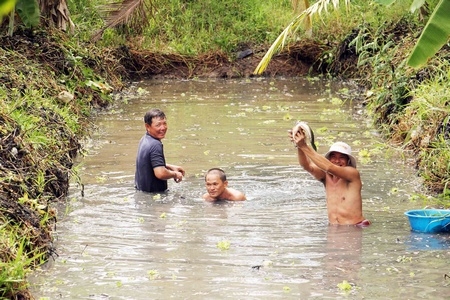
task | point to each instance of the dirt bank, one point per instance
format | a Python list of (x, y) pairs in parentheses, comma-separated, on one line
[(298, 60)]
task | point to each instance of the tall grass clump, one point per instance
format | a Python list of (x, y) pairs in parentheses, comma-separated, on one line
[(87, 16), (425, 127), (195, 27), (337, 24), (49, 87), (16, 256)]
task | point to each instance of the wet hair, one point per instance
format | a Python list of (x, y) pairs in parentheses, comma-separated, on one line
[(153, 113), (219, 171)]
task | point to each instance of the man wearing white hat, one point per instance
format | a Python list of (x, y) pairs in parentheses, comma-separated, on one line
[(342, 181)]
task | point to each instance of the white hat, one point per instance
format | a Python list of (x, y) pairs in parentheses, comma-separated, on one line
[(343, 148)]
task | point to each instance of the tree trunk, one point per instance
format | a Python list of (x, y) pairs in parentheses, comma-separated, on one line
[(55, 13)]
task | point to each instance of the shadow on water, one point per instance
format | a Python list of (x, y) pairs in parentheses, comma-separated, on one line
[(116, 243)]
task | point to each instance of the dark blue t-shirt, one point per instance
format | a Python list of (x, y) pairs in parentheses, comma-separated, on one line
[(150, 155)]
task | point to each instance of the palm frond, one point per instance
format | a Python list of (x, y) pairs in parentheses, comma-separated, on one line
[(127, 12), (315, 9)]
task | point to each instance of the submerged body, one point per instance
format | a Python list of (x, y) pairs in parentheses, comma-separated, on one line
[(152, 171), (217, 187)]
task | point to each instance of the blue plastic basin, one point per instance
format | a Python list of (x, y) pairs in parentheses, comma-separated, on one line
[(429, 220)]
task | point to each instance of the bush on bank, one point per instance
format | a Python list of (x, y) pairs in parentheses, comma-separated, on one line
[(41, 124)]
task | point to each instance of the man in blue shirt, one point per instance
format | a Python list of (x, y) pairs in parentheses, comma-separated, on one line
[(152, 172)]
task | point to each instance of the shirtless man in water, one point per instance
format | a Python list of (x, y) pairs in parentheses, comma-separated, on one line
[(217, 187), (342, 181)]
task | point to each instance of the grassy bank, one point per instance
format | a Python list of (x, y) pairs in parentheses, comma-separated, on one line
[(52, 82), (49, 88)]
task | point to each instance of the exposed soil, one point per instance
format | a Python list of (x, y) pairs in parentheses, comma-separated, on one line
[(295, 61)]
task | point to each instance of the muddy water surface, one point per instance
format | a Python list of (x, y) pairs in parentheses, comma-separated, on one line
[(116, 243)]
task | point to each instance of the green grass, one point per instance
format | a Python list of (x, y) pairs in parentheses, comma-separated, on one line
[(16, 259), (196, 27)]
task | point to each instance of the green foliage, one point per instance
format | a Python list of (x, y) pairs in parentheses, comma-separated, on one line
[(6, 6), (344, 286), (193, 27), (15, 263), (317, 9), (28, 10), (429, 119), (40, 132), (87, 17), (434, 36), (387, 78)]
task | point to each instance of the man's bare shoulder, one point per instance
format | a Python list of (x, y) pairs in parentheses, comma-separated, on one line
[(235, 195)]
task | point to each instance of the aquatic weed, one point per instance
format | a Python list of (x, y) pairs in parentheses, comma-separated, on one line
[(223, 245)]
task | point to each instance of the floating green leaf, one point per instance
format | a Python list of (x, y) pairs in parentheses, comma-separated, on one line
[(344, 286), (153, 274), (223, 245)]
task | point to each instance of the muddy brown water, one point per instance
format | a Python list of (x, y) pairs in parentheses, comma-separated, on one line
[(116, 243)]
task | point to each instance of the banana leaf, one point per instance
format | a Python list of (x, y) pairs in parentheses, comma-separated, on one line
[(435, 34), (317, 9)]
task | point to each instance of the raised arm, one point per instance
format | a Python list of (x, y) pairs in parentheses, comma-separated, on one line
[(345, 172), (303, 153)]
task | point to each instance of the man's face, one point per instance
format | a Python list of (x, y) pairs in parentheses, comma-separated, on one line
[(338, 159), (158, 128), (214, 185)]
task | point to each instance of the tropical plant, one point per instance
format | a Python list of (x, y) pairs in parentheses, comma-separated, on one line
[(28, 11), (301, 5), (130, 13), (55, 13), (435, 34), (315, 9)]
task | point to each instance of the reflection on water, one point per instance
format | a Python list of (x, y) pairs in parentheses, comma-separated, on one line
[(116, 243), (423, 241)]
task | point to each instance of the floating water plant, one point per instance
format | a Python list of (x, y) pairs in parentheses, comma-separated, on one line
[(336, 101), (287, 117), (364, 153), (344, 286), (153, 274), (223, 245)]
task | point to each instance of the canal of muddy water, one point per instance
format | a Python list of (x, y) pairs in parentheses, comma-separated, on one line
[(116, 243)]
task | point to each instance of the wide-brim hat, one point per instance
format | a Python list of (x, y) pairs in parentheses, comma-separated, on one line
[(343, 148)]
